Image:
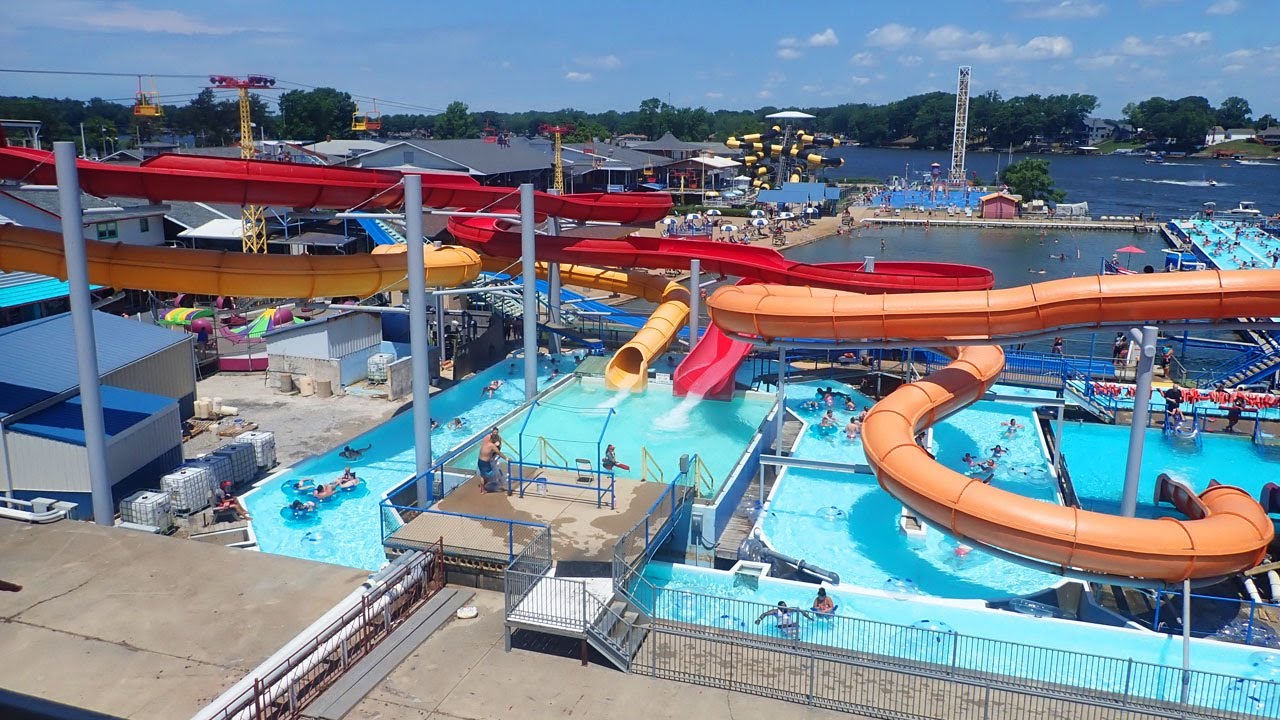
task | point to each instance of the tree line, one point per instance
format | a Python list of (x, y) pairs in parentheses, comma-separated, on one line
[(921, 121)]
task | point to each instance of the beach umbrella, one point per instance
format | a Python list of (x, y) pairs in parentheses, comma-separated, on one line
[(757, 213), (759, 222), (669, 221), (728, 228), (810, 210), (712, 193), (786, 215), (1130, 250), (714, 211), (693, 216)]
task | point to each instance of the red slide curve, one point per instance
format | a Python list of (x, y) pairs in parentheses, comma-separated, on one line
[(259, 182), (710, 367)]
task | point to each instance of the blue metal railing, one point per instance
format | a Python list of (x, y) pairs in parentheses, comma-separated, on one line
[(635, 547), (1213, 375), (605, 479), (474, 538), (1219, 618)]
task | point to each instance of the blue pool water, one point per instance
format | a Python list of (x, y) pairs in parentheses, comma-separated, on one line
[(346, 529), (576, 421), (1096, 458), (940, 631), (1216, 237), (846, 523)]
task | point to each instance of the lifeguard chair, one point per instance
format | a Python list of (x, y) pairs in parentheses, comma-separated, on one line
[(147, 104)]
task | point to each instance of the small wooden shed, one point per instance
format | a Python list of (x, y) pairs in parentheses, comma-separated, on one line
[(1000, 206)]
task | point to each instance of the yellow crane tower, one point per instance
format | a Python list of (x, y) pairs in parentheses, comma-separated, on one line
[(557, 131), (253, 235)]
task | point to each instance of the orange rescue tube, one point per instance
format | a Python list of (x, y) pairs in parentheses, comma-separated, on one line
[(214, 272), (1232, 537)]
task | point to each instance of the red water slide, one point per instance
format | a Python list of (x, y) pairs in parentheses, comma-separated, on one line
[(709, 369), (258, 182)]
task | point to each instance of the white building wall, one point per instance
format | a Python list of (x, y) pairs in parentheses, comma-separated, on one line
[(300, 341), (352, 333), (130, 230), (38, 463), (170, 372), (142, 443)]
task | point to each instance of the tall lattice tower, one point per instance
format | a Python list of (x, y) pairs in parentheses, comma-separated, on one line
[(253, 234), (557, 131), (960, 136)]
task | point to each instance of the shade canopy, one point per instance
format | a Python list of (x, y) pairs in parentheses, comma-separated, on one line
[(1131, 249)]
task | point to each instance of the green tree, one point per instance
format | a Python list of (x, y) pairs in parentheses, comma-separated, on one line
[(316, 114), (1264, 122), (1234, 112), (1030, 178), (455, 122)]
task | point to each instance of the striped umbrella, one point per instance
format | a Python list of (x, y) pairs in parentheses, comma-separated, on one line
[(669, 221), (786, 215), (713, 212), (728, 228), (757, 213), (693, 216), (759, 222)]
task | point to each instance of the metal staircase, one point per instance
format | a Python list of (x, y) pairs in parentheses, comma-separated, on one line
[(570, 325), (1249, 367), (618, 632)]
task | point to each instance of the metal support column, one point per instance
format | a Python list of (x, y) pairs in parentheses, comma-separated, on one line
[(869, 263), (528, 268), (553, 285), (782, 399), (95, 437), (695, 299), (418, 345), (1146, 339)]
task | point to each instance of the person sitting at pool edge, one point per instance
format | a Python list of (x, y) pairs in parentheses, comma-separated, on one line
[(224, 500), (610, 460), (823, 604)]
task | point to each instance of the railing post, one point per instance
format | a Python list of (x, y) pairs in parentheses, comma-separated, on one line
[(511, 543), (1248, 636), (1128, 681), (813, 672), (1155, 621)]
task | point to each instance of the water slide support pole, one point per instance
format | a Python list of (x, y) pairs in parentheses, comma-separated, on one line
[(528, 268), (1186, 640), (1146, 339), (869, 263), (782, 399), (419, 347), (95, 438), (695, 299), (553, 284), (440, 326)]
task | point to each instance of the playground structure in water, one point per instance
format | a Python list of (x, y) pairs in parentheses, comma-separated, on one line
[(1229, 534), (783, 154)]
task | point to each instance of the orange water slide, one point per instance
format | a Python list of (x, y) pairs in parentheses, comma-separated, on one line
[(212, 272), (1234, 534)]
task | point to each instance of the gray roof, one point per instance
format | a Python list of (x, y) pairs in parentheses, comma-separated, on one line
[(486, 158), (48, 201), (628, 157), (669, 143), (41, 356)]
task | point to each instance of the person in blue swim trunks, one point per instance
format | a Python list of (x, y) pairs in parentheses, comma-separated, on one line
[(490, 451)]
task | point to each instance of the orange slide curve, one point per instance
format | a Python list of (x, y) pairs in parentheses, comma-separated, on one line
[(212, 272), (1234, 534)]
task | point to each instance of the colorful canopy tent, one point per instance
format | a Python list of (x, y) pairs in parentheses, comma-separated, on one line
[(183, 316), (267, 320)]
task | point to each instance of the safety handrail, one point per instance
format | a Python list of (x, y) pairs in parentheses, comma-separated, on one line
[(648, 463), (546, 450), (702, 475)]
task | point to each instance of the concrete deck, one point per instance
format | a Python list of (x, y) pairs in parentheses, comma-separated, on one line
[(144, 626), (579, 530), (463, 672)]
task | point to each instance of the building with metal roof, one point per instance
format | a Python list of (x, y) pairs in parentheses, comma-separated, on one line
[(487, 162), (40, 357), (670, 146)]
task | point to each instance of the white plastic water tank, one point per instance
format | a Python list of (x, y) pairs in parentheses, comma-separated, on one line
[(263, 443), (376, 370), (148, 507), (217, 406), (188, 487)]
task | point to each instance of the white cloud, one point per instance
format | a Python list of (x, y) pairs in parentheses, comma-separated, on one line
[(1223, 7), (714, 95), (863, 58), (910, 60), (860, 80), (1233, 68), (810, 89), (575, 76), (788, 42), (787, 53), (1240, 55), (1163, 44), (602, 62), (949, 36), (826, 38), (1098, 62), (764, 94), (1067, 10), (121, 17), (506, 65), (890, 36), (1041, 47)]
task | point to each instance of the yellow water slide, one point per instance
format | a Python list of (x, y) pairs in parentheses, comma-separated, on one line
[(214, 272)]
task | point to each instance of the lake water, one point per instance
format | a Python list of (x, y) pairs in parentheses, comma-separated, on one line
[(1111, 184)]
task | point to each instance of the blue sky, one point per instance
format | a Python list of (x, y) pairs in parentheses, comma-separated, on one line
[(602, 55)]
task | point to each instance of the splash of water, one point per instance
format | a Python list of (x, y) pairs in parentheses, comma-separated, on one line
[(677, 418), (619, 396)]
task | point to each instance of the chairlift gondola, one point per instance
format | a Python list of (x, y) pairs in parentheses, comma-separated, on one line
[(147, 104)]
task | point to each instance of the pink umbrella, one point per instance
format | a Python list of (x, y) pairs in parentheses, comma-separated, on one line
[(1130, 250)]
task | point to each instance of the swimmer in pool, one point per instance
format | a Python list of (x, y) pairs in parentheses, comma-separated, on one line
[(350, 453), (298, 507), (852, 430), (998, 451), (492, 388), (305, 484), (823, 604), (325, 491), (829, 420), (1013, 426), (457, 423)]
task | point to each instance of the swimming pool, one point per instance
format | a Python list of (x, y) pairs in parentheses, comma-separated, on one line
[(346, 529), (574, 416), (1256, 246), (1096, 455), (942, 632), (844, 522)]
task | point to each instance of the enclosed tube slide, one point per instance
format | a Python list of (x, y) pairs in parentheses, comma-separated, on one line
[(245, 182), (1233, 534), (213, 272)]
